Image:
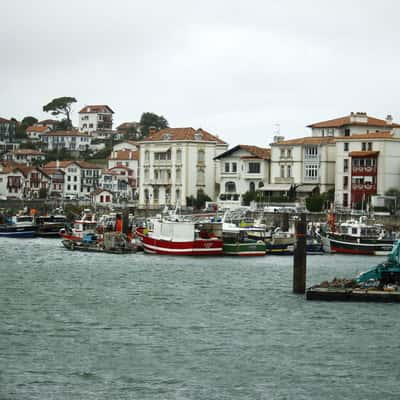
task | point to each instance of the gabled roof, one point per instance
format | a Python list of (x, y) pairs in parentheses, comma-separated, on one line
[(257, 152), (65, 133), (61, 164), (189, 133), (316, 140), (344, 121), (88, 165), (125, 155), (100, 190), (96, 108), (37, 128), (27, 152)]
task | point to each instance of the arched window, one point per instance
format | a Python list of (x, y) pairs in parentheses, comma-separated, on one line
[(252, 187), (230, 187)]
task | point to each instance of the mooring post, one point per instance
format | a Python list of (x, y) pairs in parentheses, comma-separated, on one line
[(125, 221), (285, 222), (300, 257)]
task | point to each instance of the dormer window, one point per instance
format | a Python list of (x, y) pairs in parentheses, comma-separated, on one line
[(167, 136), (198, 135)]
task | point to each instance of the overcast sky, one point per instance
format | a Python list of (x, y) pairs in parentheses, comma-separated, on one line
[(234, 68)]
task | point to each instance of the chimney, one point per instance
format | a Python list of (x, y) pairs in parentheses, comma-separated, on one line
[(152, 130), (389, 119)]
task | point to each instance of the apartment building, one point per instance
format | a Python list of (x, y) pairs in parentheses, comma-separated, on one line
[(95, 118), (176, 163)]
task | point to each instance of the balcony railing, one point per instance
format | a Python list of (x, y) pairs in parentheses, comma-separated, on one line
[(370, 170), (363, 186)]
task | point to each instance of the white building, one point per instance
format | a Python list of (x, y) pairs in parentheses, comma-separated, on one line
[(120, 181), (102, 197), (34, 132), (241, 169), (95, 118), (25, 156), (355, 122), (366, 164), (126, 145), (176, 163), (306, 164), (68, 140)]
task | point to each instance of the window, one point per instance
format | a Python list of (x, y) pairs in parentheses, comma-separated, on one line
[(179, 156), (200, 156), (364, 146), (230, 187), (234, 167), (254, 168), (311, 172), (345, 165), (226, 167), (345, 146), (289, 171), (369, 146), (282, 171), (345, 181)]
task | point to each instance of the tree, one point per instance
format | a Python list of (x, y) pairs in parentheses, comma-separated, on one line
[(148, 120), (61, 105), (315, 203)]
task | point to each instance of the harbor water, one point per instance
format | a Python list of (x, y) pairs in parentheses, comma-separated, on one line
[(98, 326)]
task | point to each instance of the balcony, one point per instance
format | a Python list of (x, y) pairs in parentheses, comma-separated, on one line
[(363, 186), (284, 180), (363, 170)]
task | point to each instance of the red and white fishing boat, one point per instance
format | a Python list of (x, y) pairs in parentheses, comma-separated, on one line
[(86, 225), (179, 238)]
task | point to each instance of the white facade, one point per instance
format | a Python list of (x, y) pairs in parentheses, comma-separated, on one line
[(95, 118), (305, 161), (68, 140), (387, 166), (177, 163), (240, 171)]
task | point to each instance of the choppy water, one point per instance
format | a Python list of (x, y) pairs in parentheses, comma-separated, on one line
[(93, 326)]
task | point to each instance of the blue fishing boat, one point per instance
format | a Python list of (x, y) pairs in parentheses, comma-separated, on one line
[(19, 226)]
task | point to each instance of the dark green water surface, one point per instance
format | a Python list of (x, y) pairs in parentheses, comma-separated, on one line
[(93, 326)]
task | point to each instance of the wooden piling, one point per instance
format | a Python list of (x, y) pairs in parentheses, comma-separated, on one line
[(300, 256), (285, 222)]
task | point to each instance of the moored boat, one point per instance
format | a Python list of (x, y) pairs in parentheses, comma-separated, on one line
[(19, 226), (237, 241), (180, 238), (360, 237)]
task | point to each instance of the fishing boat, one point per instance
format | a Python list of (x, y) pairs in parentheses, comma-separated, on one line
[(109, 242), (180, 238), (361, 237), (87, 224), (238, 243), (19, 226), (50, 225)]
